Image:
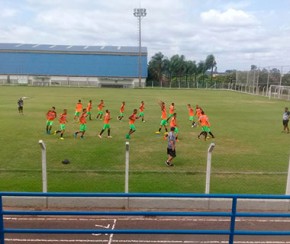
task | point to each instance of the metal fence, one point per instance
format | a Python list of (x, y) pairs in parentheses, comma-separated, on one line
[(232, 213)]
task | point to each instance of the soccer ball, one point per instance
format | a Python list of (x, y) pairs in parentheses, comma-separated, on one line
[(65, 161)]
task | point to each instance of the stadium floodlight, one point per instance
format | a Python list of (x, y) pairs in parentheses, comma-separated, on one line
[(139, 13)]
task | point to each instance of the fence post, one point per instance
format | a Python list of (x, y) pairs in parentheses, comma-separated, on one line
[(127, 168), (43, 161), (233, 220), (288, 179), (1, 221), (208, 168)]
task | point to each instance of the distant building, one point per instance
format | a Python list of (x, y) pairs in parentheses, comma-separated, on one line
[(99, 66)]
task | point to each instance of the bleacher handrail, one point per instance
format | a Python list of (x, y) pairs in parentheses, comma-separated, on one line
[(233, 213)]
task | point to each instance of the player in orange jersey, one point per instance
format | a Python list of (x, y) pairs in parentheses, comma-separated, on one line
[(163, 118), (132, 119), (171, 111), (89, 109), (107, 119), (83, 124), (191, 115), (173, 123), (198, 111), (62, 121), (205, 126), (141, 111), (122, 109), (50, 116), (100, 109), (79, 107)]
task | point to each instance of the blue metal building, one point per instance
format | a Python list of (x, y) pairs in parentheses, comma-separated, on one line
[(99, 63)]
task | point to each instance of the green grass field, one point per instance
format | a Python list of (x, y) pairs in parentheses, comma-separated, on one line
[(251, 153)]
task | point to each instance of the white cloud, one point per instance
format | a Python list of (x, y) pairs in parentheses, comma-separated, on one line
[(7, 13), (239, 33), (230, 17)]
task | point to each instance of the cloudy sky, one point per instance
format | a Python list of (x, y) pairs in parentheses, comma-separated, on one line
[(238, 33)]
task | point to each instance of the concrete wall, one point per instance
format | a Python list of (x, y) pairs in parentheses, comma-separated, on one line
[(209, 204)]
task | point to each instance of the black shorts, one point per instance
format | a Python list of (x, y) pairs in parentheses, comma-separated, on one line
[(285, 122), (171, 152)]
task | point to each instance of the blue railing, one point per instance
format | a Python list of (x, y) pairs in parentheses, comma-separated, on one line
[(232, 213)]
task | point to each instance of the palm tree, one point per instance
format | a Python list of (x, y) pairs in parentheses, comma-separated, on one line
[(190, 71), (201, 70), (210, 63), (156, 67)]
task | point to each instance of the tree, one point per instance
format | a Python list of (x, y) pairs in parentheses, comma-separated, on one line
[(254, 67), (191, 71), (201, 71), (156, 67), (177, 70), (210, 64)]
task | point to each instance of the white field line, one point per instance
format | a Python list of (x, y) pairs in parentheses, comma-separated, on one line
[(113, 227), (111, 241)]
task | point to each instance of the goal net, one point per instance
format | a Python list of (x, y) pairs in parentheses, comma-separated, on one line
[(279, 92)]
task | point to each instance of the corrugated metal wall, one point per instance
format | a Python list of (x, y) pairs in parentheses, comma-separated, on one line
[(101, 65)]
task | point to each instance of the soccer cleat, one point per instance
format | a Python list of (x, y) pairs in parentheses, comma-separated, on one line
[(157, 132), (109, 137), (54, 133), (143, 121), (168, 163), (100, 136), (82, 137), (61, 138)]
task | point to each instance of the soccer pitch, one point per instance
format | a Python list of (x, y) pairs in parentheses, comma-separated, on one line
[(251, 154)]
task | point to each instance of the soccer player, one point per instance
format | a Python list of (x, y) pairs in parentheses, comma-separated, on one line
[(132, 119), (173, 123), (79, 107), (198, 110), (171, 152), (191, 115), (62, 121), (50, 116), (100, 109), (205, 126), (286, 116), (122, 109), (83, 124), (163, 118), (107, 119), (171, 111), (89, 109), (141, 110), (20, 103)]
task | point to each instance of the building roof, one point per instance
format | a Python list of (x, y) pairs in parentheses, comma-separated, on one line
[(21, 47)]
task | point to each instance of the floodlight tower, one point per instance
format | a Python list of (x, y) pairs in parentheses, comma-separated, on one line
[(139, 13)]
